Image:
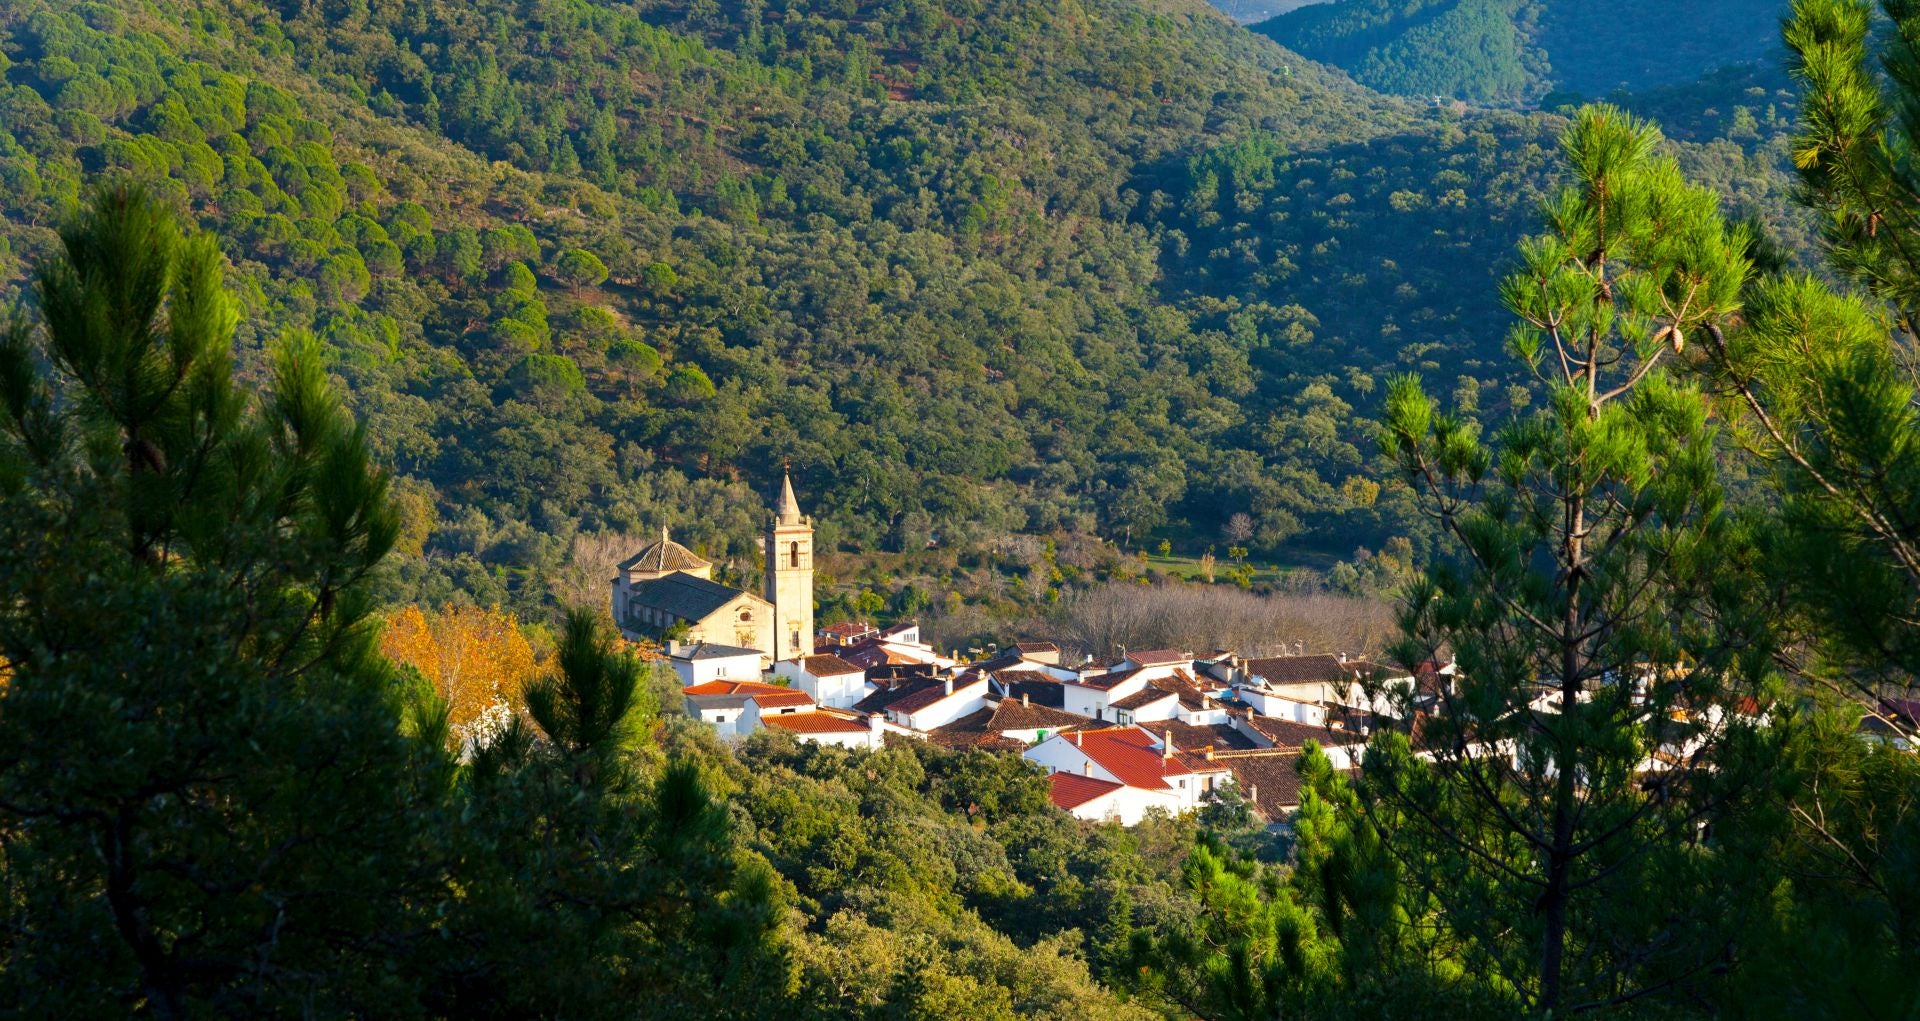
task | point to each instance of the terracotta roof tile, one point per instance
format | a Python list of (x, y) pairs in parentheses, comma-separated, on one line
[(1144, 697), (1130, 754), (882, 700), (1297, 669), (664, 557), (1069, 791), (1012, 715), (1104, 682), (933, 692), (1289, 734), (816, 723), (1269, 779), (972, 731), (1195, 737), (828, 665), (784, 697), (1160, 657), (734, 688)]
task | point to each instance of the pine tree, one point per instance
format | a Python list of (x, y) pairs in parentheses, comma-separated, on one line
[(1825, 384), (1824, 390), (208, 802), (1587, 600)]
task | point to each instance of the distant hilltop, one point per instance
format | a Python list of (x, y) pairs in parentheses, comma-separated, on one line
[(1247, 12)]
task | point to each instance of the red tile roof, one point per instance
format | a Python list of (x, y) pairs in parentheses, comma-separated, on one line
[(774, 700), (1160, 657), (734, 688), (816, 723), (1070, 791), (1131, 754)]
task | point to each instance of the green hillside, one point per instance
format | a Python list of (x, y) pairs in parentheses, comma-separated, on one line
[(1247, 11), (1512, 50), (1103, 267)]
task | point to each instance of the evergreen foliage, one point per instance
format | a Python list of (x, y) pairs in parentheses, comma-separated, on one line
[(1505, 51), (964, 272), (1125, 247)]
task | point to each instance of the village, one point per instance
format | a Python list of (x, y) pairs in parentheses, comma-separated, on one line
[(1159, 729)]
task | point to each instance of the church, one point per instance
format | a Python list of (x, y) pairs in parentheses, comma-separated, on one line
[(668, 585)]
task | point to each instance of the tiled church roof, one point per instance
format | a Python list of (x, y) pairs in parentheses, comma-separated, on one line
[(663, 557)]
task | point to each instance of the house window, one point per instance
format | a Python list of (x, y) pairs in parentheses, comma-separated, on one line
[(1122, 716), (746, 616), (793, 555), (795, 640)]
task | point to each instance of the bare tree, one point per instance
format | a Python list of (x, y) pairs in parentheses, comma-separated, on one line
[(587, 576), (1205, 617)]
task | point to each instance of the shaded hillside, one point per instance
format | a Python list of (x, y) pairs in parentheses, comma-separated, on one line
[(1249, 11), (1516, 50)]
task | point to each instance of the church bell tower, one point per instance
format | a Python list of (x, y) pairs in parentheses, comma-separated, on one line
[(790, 576)]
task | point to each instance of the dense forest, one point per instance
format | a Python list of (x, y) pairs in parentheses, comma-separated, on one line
[(1248, 11), (322, 311), (1507, 51), (1110, 270)]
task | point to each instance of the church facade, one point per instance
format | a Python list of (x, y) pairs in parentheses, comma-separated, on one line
[(666, 586)]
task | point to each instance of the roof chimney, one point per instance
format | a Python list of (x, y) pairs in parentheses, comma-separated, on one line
[(1025, 700), (949, 684), (1167, 749), (1086, 767), (1253, 792), (1209, 753), (1076, 739)]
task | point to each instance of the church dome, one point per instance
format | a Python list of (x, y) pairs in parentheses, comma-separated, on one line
[(664, 557)]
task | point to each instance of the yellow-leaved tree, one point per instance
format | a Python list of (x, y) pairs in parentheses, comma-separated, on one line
[(476, 658)]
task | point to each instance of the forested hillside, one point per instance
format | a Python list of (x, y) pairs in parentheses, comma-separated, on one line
[(1245, 11), (332, 323), (1105, 267), (1511, 50)]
